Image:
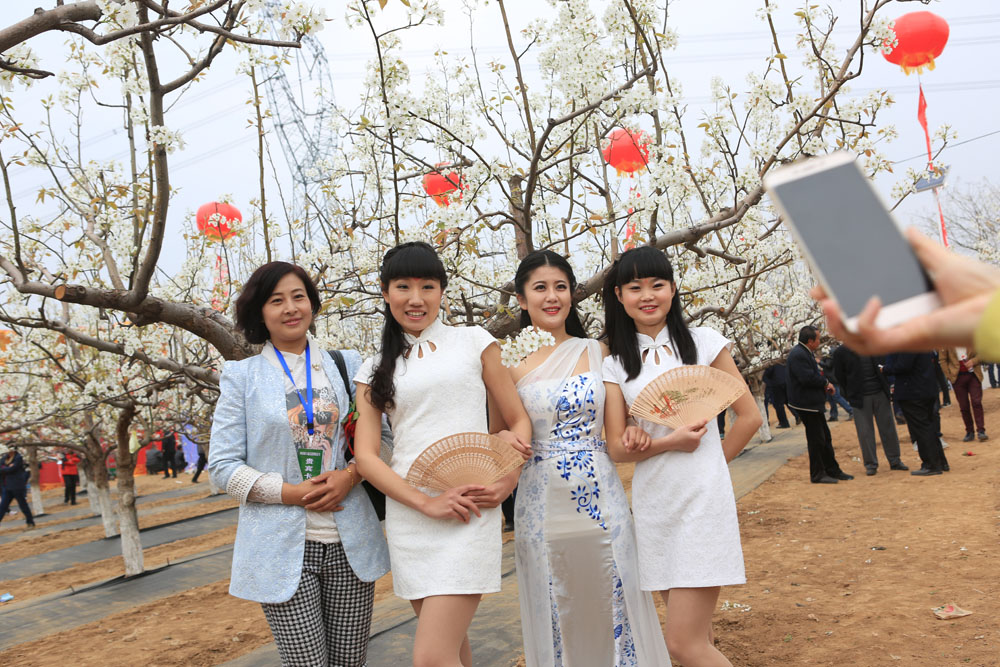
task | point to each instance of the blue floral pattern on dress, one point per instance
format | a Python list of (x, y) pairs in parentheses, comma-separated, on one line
[(576, 412), (570, 474), (576, 409), (625, 653)]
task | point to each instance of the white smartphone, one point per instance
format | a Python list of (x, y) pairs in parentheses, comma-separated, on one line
[(849, 238)]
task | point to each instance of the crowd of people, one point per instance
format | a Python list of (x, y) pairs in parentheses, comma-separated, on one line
[(881, 391)]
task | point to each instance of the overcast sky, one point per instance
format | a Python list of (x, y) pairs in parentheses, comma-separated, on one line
[(726, 40)]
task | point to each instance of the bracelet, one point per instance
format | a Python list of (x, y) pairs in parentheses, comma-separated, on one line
[(353, 472)]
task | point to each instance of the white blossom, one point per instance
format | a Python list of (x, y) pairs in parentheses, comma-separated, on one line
[(171, 140), (529, 340)]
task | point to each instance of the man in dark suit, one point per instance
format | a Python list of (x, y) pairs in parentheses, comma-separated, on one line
[(917, 394), (807, 392), (14, 485), (866, 389), (169, 448), (776, 380)]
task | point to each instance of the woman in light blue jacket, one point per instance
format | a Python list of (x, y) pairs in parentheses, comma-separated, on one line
[(309, 546)]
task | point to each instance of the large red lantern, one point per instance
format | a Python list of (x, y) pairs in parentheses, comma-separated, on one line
[(217, 221), (440, 186), (627, 152), (921, 37)]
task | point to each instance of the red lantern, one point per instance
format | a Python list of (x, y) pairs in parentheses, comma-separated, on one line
[(627, 152), (921, 37), (439, 185), (214, 220)]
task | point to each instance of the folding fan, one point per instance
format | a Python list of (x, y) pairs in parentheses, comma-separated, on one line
[(686, 395), (463, 458)]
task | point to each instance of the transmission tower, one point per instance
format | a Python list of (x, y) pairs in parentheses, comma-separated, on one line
[(300, 96)]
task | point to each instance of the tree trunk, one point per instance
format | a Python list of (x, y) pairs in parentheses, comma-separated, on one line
[(37, 506), (128, 519), (522, 219), (99, 493), (765, 428)]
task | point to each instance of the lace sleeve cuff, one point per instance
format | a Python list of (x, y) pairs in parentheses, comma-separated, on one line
[(267, 489), (244, 481)]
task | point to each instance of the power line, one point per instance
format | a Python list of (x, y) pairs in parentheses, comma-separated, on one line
[(27, 190), (967, 141)]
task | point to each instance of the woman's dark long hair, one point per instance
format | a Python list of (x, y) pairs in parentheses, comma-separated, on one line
[(407, 260), (619, 329), (540, 258)]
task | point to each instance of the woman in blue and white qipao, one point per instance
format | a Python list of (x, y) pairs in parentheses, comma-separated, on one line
[(576, 555)]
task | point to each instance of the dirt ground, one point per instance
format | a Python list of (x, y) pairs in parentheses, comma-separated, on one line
[(842, 574), (848, 574)]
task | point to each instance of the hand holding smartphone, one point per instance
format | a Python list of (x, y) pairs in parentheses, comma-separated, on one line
[(852, 243)]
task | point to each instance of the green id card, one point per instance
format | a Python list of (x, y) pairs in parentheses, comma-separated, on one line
[(310, 462)]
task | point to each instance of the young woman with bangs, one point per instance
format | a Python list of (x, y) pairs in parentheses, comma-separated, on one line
[(431, 380), (577, 575), (687, 529)]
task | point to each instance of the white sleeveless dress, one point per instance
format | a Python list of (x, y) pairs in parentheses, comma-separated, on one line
[(687, 530), (578, 581), (439, 392)]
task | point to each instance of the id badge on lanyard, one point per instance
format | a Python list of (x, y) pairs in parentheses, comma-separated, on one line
[(310, 462), (310, 459)]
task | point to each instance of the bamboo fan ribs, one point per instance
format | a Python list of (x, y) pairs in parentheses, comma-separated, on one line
[(686, 395), (463, 458)]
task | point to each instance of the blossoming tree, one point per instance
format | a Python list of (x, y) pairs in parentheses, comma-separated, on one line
[(523, 131)]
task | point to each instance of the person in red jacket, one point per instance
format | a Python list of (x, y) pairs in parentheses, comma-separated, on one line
[(71, 475)]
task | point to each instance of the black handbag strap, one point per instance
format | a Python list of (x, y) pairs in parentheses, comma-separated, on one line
[(338, 358)]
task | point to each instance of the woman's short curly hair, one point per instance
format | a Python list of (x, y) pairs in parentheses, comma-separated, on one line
[(256, 292)]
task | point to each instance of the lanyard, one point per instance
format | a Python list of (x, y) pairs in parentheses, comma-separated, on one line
[(307, 406)]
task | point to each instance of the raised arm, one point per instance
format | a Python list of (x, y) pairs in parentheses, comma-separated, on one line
[(748, 418), (500, 387)]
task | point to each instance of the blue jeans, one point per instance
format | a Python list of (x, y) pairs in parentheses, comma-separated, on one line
[(992, 370), (834, 399)]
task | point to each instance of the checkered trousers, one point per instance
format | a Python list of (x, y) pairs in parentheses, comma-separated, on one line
[(327, 622)]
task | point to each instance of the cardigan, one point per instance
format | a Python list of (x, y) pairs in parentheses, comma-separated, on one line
[(250, 427)]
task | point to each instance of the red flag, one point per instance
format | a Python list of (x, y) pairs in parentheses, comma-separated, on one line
[(922, 117)]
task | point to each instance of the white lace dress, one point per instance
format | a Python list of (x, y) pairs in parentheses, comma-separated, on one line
[(439, 392), (687, 530), (578, 581)]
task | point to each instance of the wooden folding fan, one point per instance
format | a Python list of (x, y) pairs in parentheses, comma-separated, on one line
[(463, 458), (686, 395)]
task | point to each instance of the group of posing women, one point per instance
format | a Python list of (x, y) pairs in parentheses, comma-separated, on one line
[(309, 545)]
